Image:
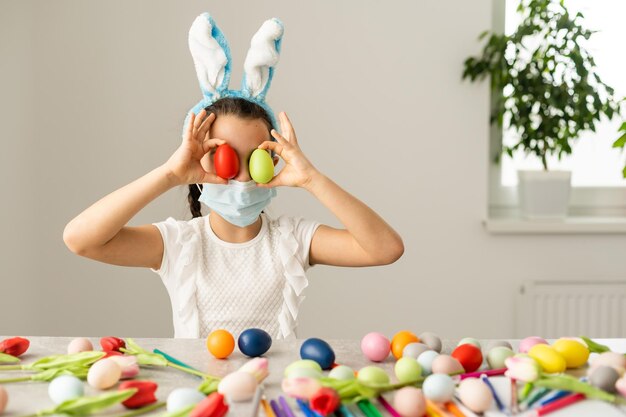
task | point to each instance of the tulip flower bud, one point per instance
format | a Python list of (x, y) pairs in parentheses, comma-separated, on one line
[(522, 368), (144, 395), (212, 406), (112, 343), (14, 346), (302, 388), (325, 401), (257, 367)]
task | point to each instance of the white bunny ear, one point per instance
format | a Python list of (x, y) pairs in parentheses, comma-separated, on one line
[(211, 56), (262, 59)]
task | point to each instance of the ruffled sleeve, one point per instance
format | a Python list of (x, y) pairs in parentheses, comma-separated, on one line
[(293, 250), (181, 247)]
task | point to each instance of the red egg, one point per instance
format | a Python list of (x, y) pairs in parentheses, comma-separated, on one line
[(469, 355), (226, 162)]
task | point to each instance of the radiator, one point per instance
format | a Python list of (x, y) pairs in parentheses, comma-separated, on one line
[(554, 309)]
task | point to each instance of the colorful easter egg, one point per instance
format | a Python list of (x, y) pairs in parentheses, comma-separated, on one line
[(475, 395), (65, 387), (400, 340), (183, 397), (342, 372), (375, 346), (413, 350), (438, 388), (426, 361), (80, 344), (409, 402), (549, 359), (446, 364), (226, 162), (496, 343), (261, 166), (497, 356), (574, 352), (431, 340), (104, 374), (319, 351), (307, 364), (469, 355), (528, 342), (373, 375), (254, 342), (220, 343), (604, 377), (469, 340), (407, 369), (613, 359)]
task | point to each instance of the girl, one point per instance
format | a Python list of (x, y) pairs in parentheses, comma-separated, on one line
[(234, 268)]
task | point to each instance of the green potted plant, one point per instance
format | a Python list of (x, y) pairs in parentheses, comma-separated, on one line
[(546, 89)]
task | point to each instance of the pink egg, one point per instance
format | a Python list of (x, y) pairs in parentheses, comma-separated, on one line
[(410, 402), (446, 364), (620, 386), (80, 344), (375, 346), (527, 343), (104, 374), (615, 360)]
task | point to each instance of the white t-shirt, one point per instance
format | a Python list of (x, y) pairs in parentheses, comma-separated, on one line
[(214, 284)]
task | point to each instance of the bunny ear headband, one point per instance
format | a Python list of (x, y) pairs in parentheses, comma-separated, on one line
[(211, 56)]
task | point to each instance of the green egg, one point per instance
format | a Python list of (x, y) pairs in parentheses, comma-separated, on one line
[(261, 166), (303, 364), (341, 372), (407, 369), (497, 356), (373, 375)]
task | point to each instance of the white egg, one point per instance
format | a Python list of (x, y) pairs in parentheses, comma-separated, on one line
[(183, 397), (342, 372), (426, 361), (65, 387), (414, 350), (238, 386), (438, 388), (104, 374), (475, 395), (4, 399), (80, 344)]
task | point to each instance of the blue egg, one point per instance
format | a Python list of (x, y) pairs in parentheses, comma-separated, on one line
[(254, 342), (319, 351), (65, 387)]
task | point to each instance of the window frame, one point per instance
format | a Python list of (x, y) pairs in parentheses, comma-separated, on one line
[(503, 200)]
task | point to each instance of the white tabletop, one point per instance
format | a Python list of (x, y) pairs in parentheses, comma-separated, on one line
[(29, 397)]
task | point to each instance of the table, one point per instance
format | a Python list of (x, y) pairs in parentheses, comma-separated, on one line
[(29, 397)]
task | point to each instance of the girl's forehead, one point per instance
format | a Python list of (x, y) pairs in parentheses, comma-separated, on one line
[(238, 131)]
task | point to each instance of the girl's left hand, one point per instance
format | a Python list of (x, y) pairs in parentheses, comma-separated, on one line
[(298, 171)]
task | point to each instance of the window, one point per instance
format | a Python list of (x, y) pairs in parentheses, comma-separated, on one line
[(598, 185)]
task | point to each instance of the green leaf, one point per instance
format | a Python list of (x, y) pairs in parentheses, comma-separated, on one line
[(208, 386), (66, 361), (4, 358), (83, 406), (183, 412), (595, 347), (620, 142), (49, 374), (569, 383)]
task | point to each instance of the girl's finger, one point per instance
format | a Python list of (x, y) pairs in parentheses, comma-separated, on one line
[(280, 138), (209, 144), (288, 129), (205, 127), (275, 182), (199, 119), (272, 146), (189, 131)]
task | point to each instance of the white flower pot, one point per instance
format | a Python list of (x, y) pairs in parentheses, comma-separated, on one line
[(544, 194)]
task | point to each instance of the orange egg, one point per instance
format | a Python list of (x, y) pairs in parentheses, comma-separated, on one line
[(400, 340), (220, 343)]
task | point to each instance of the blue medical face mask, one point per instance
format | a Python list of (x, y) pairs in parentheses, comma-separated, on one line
[(239, 203)]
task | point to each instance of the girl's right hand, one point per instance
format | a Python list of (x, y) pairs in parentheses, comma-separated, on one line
[(185, 164)]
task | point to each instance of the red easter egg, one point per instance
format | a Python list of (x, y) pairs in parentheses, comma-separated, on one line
[(469, 355), (226, 162)]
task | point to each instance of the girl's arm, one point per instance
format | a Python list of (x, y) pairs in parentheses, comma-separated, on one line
[(366, 240), (100, 232)]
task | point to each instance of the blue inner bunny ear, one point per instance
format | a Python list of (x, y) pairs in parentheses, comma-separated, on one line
[(211, 55), (262, 59)]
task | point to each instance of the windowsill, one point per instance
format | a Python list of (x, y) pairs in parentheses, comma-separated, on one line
[(569, 225)]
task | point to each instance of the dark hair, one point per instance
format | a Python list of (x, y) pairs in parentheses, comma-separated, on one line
[(234, 106)]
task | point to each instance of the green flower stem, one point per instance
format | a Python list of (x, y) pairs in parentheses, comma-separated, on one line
[(190, 371), (16, 379), (144, 410), (12, 368)]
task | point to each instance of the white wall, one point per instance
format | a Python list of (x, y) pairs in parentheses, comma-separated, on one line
[(94, 94)]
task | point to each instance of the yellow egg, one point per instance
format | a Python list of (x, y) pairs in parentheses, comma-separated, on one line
[(549, 359), (574, 353)]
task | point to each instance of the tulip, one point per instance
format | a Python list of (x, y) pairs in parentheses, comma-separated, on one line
[(302, 388), (522, 368), (143, 396), (212, 406), (112, 343), (14, 346), (257, 367), (109, 353), (129, 365), (325, 401)]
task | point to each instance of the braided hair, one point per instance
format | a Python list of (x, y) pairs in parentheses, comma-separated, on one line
[(234, 106)]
